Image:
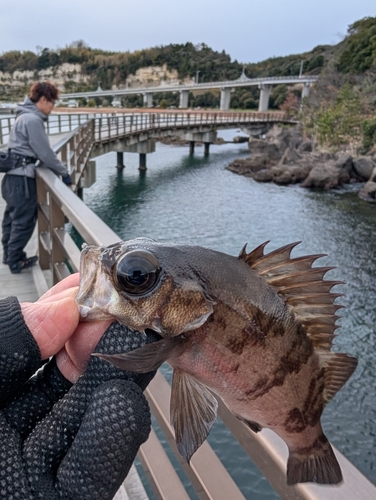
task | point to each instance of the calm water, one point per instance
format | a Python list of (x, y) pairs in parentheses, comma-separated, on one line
[(195, 200)]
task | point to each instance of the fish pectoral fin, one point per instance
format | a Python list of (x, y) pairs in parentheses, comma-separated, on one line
[(254, 426), (147, 358), (193, 410)]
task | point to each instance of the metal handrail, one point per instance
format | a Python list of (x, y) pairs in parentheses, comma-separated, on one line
[(57, 205)]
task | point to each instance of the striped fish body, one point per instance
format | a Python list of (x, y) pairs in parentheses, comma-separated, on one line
[(256, 330)]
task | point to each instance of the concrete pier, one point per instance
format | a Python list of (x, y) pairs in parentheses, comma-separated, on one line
[(191, 147), (225, 99), (264, 97), (142, 148), (142, 165), (206, 148), (183, 102), (120, 160), (305, 91), (148, 99)]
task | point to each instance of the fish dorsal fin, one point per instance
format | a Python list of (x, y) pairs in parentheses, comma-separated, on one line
[(193, 410), (338, 369), (302, 287)]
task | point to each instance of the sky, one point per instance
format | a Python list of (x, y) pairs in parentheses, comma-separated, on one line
[(248, 30)]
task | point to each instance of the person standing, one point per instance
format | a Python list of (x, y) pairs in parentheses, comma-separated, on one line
[(29, 143)]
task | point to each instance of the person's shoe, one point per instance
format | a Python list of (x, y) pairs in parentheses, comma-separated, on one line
[(23, 264)]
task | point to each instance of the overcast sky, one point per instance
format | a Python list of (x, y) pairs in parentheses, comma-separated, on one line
[(248, 30)]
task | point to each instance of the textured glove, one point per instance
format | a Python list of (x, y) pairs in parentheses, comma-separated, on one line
[(59, 441), (67, 179)]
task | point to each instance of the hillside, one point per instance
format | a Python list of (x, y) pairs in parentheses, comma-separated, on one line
[(346, 86)]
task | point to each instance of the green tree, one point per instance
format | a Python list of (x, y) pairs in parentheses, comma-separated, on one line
[(359, 54), (340, 122)]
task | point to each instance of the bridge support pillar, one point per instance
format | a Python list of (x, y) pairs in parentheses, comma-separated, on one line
[(148, 99), (116, 101), (183, 102), (142, 148), (142, 165), (264, 97), (225, 99), (206, 137), (120, 160), (305, 91)]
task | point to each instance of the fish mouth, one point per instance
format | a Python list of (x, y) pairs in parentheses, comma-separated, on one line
[(95, 291)]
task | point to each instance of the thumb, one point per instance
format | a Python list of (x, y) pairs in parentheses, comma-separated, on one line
[(51, 323)]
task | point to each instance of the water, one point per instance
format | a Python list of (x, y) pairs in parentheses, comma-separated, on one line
[(195, 200)]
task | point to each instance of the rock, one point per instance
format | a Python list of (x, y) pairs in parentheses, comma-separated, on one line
[(363, 167), (269, 150), (247, 166), (330, 174), (305, 147), (343, 164), (290, 156), (368, 192), (290, 174), (290, 136), (263, 175), (240, 138)]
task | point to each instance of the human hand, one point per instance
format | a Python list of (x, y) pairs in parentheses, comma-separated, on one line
[(67, 179), (82, 445), (54, 323)]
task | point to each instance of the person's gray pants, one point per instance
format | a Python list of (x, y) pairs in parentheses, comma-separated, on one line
[(20, 216)]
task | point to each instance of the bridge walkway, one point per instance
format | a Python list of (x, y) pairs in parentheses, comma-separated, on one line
[(28, 285)]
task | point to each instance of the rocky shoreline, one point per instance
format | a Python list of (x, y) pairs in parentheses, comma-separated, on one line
[(286, 157)]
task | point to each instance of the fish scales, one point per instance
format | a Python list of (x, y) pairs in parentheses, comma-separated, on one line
[(255, 330)]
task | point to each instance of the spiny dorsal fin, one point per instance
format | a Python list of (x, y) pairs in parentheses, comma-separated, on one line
[(338, 369), (303, 288)]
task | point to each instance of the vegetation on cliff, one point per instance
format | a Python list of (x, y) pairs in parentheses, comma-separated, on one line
[(340, 108)]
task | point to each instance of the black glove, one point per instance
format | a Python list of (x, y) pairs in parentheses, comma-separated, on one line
[(67, 179), (70, 442)]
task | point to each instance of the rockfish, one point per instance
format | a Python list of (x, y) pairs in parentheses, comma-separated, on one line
[(256, 330)]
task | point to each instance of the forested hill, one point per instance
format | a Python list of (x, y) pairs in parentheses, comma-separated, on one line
[(357, 53), (78, 67)]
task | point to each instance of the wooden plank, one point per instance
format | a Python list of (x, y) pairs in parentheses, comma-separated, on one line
[(210, 483), (159, 470)]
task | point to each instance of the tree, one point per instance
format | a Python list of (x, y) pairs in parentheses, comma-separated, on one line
[(360, 47), (291, 104)]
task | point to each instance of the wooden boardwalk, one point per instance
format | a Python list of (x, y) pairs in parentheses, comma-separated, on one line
[(28, 285)]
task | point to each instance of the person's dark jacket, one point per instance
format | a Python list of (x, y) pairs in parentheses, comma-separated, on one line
[(28, 138)]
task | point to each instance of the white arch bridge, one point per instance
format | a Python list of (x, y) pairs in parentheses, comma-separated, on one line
[(265, 84)]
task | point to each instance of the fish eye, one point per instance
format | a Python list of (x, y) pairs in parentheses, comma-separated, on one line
[(137, 272)]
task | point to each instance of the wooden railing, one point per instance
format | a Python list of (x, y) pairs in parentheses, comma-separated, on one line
[(57, 205), (113, 125)]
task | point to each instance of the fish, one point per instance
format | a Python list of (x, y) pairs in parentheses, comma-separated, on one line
[(255, 330)]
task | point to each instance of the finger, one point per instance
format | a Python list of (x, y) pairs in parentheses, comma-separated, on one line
[(68, 282), (51, 323), (60, 294), (115, 425), (72, 360)]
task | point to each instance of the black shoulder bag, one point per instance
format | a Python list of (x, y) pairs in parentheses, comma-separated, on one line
[(6, 160)]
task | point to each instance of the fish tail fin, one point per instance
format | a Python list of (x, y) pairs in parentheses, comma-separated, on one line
[(317, 465)]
